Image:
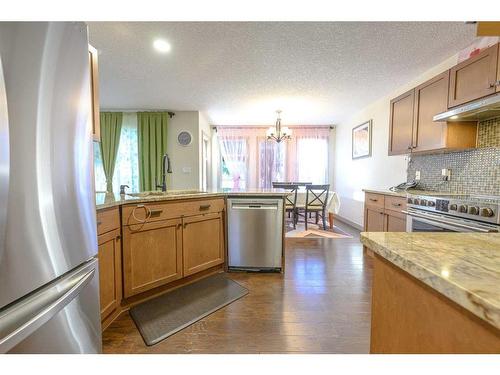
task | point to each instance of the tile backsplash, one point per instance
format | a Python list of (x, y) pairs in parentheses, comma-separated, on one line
[(475, 171)]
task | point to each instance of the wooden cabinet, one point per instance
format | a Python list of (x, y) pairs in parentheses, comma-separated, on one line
[(421, 134), (374, 220), (152, 255), (383, 213), (401, 123), (203, 242), (167, 241), (110, 263), (395, 221), (94, 92), (431, 98), (110, 276), (474, 78)]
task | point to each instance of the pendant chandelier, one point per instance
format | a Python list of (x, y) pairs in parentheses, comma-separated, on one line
[(278, 133)]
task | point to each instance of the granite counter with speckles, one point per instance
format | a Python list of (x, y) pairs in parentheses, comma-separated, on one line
[(464, 267), (108, 200)]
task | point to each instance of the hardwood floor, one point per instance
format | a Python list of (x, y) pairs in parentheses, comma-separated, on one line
[(320, 305)]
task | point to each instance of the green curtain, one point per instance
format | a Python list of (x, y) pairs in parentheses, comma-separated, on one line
[(152, 134), (111, 126)]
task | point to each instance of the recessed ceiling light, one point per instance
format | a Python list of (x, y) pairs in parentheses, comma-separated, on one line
[(162, 45)]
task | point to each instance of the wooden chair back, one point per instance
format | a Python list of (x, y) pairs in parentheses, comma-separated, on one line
[(317, 195), (291, 199)]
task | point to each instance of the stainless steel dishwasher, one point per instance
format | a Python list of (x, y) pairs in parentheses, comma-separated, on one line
[(255, 234)]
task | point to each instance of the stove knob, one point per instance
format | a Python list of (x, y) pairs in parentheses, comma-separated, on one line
[(410, 200), (423, 202), (431, 203), (473, 210), (453, 207), (462, 208), (486, 212)]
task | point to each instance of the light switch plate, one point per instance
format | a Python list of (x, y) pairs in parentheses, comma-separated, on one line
[(446, 174), (186, 169), (417, 175)]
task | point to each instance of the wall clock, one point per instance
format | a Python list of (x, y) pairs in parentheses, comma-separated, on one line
[(184, 138)]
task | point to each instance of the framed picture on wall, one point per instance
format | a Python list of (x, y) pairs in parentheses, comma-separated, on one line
[(362, 140)]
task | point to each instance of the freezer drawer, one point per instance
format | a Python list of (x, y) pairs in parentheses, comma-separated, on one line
[(255, 233)]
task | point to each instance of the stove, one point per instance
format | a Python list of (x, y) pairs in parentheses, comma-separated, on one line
[(456, 212)]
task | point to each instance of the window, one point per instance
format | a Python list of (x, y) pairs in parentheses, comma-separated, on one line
[(127, 159), (271, 162), (312, 160), (234, 163)]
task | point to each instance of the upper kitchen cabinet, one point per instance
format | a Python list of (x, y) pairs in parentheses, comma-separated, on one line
[(474, 78), (401, 123), (431, 97), (94, 92)]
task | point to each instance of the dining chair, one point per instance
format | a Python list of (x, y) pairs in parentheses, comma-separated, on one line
[(316, 201), (290, 200)]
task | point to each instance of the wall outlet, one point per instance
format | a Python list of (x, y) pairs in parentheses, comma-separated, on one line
[(446, 174), (186, 169), (417, 175)]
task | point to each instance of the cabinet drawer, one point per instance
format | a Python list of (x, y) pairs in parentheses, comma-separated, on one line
[(149, 212), (395, 203), (374, 200), (108, 220)]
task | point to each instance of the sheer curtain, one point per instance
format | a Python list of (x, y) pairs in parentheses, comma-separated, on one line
[(308, 155), (249, 160), (235, 157)]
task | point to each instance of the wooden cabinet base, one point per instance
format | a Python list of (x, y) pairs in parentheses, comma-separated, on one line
[(410, 317)]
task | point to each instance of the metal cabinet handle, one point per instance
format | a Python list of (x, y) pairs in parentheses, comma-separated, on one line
[(21, 319), (396, 204), (155, 213), (204, 207), (99, 222), (373, 199)]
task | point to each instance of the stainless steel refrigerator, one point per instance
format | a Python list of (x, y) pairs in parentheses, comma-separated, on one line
[(49, 287)]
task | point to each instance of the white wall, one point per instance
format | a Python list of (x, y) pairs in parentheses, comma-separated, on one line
[(185, 159), (379, 171)]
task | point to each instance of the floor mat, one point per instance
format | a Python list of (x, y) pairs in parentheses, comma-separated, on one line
[(167, 314)]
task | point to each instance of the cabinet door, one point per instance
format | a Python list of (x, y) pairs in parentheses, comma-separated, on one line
[(401, 124), (110, 276), (431, 98), (94, 93), (152, 255), (395, 222), (203, 242), (474, 78), (374, 220)]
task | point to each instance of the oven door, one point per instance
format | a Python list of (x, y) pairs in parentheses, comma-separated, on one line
[(419, 221)]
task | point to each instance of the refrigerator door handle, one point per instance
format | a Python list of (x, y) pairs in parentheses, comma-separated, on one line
[(21, 318)]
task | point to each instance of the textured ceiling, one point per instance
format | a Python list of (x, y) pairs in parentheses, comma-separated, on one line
[(240, 73)]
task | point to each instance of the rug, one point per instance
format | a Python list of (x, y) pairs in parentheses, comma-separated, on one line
[(167, 314), (314, 231)]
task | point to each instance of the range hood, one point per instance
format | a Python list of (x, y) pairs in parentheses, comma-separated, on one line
[(478, 110)]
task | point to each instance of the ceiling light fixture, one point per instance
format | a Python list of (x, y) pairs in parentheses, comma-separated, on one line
[(278, 133), (162, 46)]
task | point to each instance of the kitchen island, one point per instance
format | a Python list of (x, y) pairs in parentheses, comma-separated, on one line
[(153, 242), (435, 292)]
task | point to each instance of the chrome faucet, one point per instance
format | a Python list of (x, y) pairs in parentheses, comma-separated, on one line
[(165, 168)]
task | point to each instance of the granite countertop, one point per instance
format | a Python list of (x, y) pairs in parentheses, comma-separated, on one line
[(464, 267), (405, 193), (108, 200)]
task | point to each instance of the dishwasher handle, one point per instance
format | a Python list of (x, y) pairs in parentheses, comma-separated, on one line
[(254, 206)]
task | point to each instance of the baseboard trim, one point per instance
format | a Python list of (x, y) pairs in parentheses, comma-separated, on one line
[(348, 222)]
